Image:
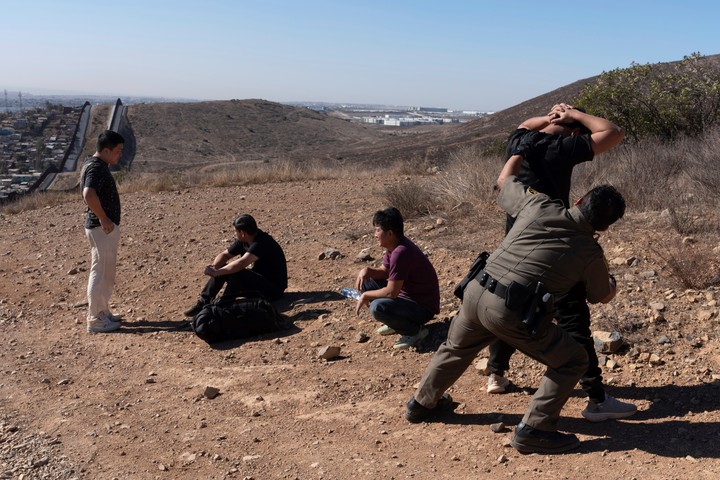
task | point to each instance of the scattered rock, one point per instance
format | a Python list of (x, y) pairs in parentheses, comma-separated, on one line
[(498, 427), (655, 359), (211, 392), (361, 337), (607, 342), (482, 366), (657, 306), (329, 352), (330, 253), (364, 256)]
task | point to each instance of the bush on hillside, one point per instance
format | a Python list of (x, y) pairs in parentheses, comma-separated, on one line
[(665, 101)]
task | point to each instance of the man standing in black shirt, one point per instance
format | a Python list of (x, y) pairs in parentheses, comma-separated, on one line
[(102, 228), (254, 263)]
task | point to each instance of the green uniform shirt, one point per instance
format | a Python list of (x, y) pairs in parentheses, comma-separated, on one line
[(549, 243)]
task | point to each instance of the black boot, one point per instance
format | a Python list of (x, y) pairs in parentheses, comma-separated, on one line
[(195, 309), (531, 440), (416, 413)]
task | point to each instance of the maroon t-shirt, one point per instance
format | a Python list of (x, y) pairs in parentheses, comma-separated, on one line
[(420, 282)]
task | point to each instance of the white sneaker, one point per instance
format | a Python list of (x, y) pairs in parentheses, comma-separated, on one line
[(407, 341), (113, 318), (101, 325), (385, 330), (497, 383), (611, 408)]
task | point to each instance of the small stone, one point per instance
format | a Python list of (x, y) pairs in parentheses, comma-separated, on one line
[(664, 340), (502, 459), (211, 392), (607, 342), (330, 253), (657, 306), (361, 337), (329, 352), (482, 366), (72, 271), (655, 359), (498, 427)]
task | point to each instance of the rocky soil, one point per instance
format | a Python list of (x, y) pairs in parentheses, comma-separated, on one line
[(132, 404)]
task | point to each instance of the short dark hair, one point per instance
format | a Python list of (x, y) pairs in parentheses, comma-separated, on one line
[(602, 206), (109, 139), (389, 219), (574, 125), (246, 223)]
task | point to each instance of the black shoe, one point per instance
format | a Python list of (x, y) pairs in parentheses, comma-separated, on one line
[(195, 309), (531, 440), (416, 413)]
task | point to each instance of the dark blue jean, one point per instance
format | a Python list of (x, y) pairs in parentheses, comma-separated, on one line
[(403, 315)]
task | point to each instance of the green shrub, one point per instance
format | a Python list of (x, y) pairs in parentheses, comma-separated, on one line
[(665, 101)]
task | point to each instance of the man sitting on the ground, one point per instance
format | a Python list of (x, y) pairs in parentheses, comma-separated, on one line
[(403, 293), (253, 264)]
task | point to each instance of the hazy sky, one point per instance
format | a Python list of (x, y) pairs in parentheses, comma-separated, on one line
[(461, 54)]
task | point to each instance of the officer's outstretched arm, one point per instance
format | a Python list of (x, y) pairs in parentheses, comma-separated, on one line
[(511, 168)]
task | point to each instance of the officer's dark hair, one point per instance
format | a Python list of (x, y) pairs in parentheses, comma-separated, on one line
[(109, 139), (389, 219), (602, 206), (246, 223)]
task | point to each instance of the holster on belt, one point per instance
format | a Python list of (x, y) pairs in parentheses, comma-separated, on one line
[(538, 309)]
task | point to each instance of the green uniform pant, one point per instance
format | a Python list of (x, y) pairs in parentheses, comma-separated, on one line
[(484, 318)]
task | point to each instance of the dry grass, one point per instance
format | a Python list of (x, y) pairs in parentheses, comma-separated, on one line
[(225, 176), (466, 181), (692, 264), (38, 200)]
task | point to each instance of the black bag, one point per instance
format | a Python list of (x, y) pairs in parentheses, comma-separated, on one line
[(475, 268), (240, 319)]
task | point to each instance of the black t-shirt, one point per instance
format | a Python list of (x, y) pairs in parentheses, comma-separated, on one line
[(271, 262), (549, 160), (96, 174)]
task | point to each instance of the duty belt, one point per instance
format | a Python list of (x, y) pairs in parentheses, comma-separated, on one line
[(491, 285)]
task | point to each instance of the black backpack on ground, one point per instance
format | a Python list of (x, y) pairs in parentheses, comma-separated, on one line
[(243, 318)]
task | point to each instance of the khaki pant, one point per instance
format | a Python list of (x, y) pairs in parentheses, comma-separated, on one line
[(101, 280), (483, 318)]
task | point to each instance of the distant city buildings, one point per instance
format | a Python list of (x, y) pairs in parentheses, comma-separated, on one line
[(33, 140), (394, 116)]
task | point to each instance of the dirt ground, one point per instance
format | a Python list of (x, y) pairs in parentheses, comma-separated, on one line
[(131, 404)]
